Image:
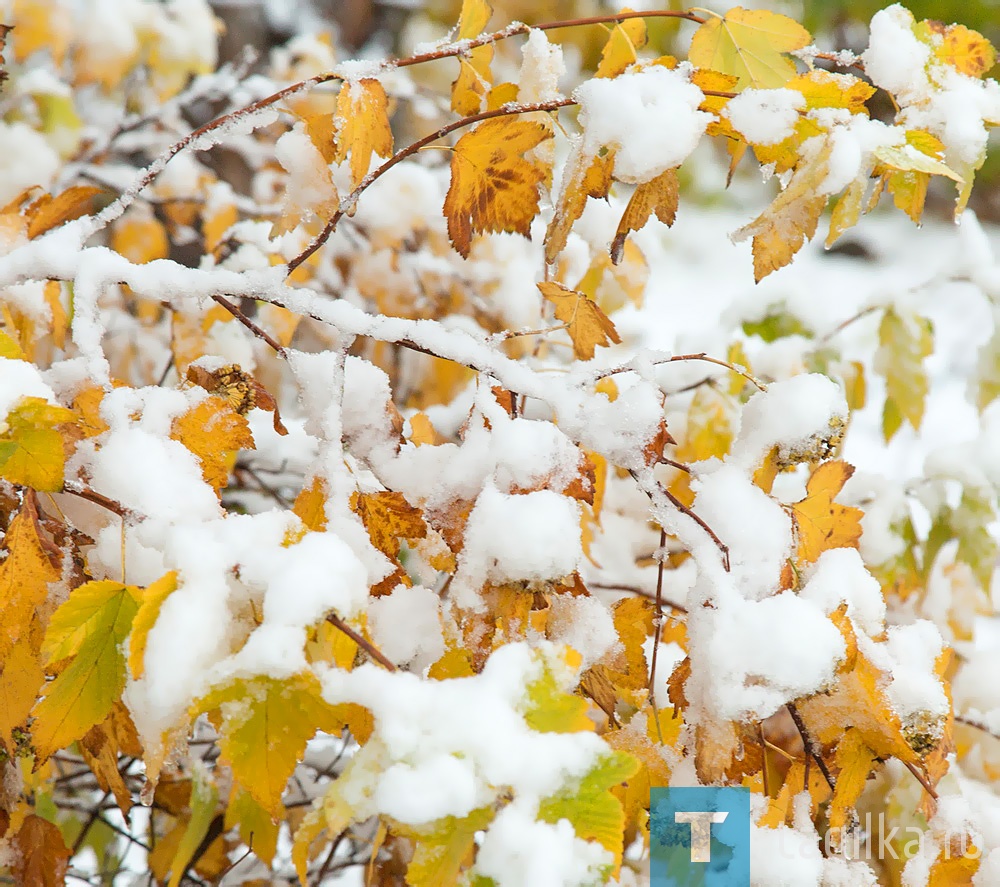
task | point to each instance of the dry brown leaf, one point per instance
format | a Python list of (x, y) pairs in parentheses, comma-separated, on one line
[(584, 177)]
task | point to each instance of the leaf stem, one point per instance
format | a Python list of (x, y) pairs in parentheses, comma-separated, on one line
[(361, 641)]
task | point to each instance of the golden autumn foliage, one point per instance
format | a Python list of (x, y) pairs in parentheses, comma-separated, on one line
[(348, 523)]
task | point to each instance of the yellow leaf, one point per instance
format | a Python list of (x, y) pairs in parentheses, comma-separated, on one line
[(583, 177), (791, 219), (90, 627), (388, 517), (905, 340), (363, 126), (823, 89), (311, 827), (847, 210), (956, 869), (821, 523), (149, 611), (34, 447), (854, 761), (587, 325), (99, 749), (264, 724), (967, 51), (474, 76), (750, 44), (21, 680), (552, 710), (214, 432), (310, 505), (621, 49), (257, 828), (493, 188), (36, 28), (443, 848), (25, 575), (590, 807), (140, 238), (659, 196)]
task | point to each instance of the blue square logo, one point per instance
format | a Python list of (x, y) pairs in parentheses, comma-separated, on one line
[(699, 837)]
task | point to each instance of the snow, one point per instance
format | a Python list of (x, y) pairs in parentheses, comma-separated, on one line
[(28, 160), (895, 59), (406, 626), (765, 116), (650, 118), (541, 69), (519, 538), (19, 379)]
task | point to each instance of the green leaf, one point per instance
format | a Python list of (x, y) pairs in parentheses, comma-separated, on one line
[(985, 385), (777, 323), (595, 813), (905, 340), (967, 523), (204, 799), (90, 627)]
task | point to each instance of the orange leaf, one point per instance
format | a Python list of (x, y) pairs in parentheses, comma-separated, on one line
[(583, 177), (855, 761), (658, 195), (50, 212), (388, 517), (620, 51), (586, 324), (21, 681), (40, 854), (493, 188), (822, 523)]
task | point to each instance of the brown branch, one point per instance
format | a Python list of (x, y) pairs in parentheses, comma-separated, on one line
[(348, 202), (977, 725), (106, 503), (684, 509), (810, 745), (361, 641), (261, 334), (679, 357), (641, 592), (657, 628), (921, 778)]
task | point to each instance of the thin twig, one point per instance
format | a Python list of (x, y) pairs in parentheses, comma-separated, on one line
[(921, 778), (684, 509), (109, 504), (641, 592), (95, 814), (603, 374), (361, 641), (977, 725), (810, 745), (261, 334), (657, 628)]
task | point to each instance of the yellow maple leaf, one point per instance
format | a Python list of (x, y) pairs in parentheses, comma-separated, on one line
[(257, 828), (820, 522), (660, 196), (493, 188), (967, 51), (854, 761), (586, 324), (621, 50), (89, 628), (25, 575), (363, 125), (750, 44), (264, 725), (583, 177), (214, 432)]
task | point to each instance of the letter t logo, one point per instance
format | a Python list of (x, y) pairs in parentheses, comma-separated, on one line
[(701, 832)]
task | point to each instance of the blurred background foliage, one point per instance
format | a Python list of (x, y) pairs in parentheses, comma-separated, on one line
[(377, 28)]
